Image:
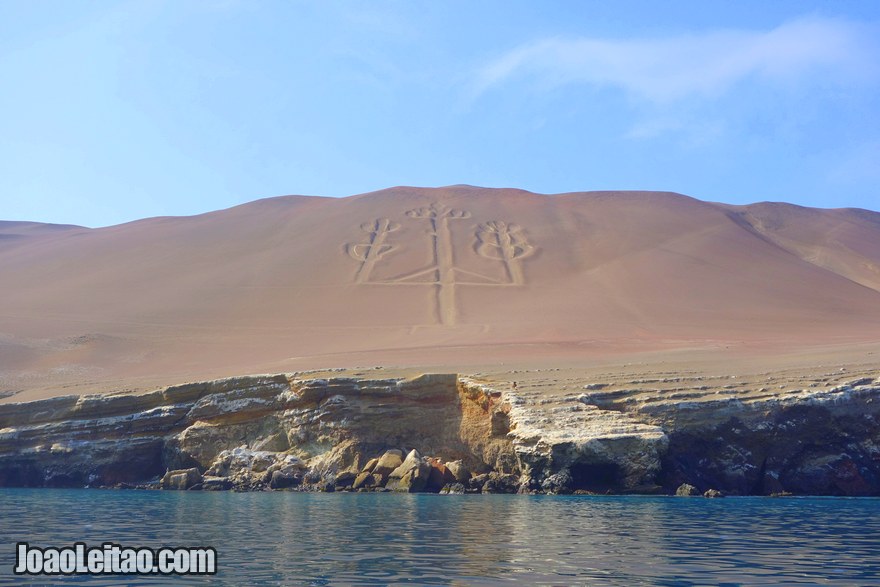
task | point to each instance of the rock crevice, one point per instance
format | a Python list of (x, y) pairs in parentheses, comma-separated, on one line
[(441, 433)]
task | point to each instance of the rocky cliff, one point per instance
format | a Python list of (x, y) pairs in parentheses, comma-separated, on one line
[(444, 433)]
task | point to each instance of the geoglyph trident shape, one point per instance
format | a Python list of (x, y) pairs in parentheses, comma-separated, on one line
[(499, 240), (495, 240), (369, 253)]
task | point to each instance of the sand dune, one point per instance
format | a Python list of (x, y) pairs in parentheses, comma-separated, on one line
[(410, 276)]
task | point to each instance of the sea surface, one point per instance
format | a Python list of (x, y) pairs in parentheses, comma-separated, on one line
[(387, 539)]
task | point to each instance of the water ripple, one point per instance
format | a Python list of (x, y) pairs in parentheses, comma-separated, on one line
[(385, 539)]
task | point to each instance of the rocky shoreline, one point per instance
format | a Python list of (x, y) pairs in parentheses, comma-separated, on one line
[(443, 433)]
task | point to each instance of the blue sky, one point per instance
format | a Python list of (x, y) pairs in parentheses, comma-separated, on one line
[(114, 111)]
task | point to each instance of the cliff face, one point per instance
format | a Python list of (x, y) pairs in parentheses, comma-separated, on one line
[(240, 428), (813, 442), (442, 432)]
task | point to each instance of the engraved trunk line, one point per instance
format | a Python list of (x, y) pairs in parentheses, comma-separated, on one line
[(374, 250), (496, 240), (446, 270)]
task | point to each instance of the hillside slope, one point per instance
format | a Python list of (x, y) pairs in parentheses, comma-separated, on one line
[(411, 276)]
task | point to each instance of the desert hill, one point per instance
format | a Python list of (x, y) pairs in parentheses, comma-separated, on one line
[(415, 276)]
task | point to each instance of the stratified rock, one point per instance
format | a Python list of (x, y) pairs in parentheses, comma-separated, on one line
[(814, 441), (181, 479), (713, 493), (686, 490), (315, 432), (244, 429), (274, 443), (500, 423)]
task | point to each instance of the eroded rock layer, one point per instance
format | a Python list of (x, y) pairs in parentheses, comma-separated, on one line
[(442, 433)]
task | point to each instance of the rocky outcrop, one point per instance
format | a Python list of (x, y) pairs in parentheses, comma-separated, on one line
[(263, 432), (686, 490), (182, 480), (812, 442), (447, 434), (411, 476), (581, 448)]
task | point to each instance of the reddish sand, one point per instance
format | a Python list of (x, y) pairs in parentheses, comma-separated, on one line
[(485, 277)]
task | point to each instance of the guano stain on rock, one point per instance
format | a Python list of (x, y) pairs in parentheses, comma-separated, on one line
[(440, 433)]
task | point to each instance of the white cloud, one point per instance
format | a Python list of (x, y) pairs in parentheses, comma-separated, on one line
[(706, 64)]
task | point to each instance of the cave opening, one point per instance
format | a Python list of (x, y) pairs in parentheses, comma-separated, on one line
[(595, 477)]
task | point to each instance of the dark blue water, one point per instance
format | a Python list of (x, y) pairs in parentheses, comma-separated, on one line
[(381, 539)]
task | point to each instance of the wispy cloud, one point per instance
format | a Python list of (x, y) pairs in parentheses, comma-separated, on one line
[(707, 64)]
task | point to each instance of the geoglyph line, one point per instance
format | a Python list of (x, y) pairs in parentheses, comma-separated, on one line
[(499, 240), (444, 260), (495, 240), (370, 253)]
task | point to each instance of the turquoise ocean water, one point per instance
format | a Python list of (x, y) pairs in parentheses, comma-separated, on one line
[(385, 539)]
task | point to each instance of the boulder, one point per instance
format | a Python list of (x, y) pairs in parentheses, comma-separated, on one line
[(713, 493), (413, 481), (459, 471), (476, 482), (282, 479), (686, 490), (559, 483), (411, 476), (501, 483), (413, 458), (216, 483), (388, 462), (365, 479), (181, 479), (371, 464), (261, 461), (439, 475), (345, 479)]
